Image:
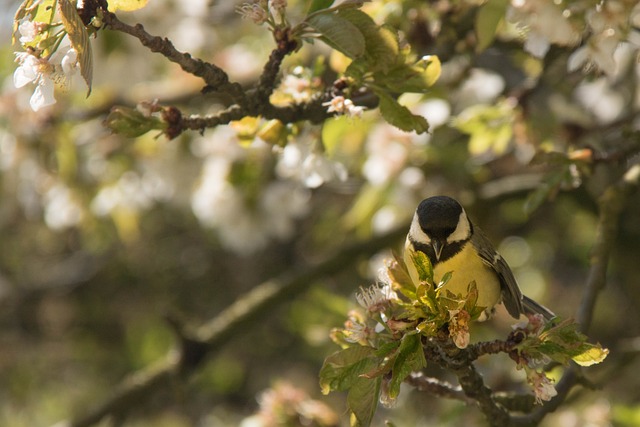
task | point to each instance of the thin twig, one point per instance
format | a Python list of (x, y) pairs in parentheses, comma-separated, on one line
[(215, 77)]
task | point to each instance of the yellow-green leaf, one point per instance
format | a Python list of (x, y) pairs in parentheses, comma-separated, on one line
[(126, 5), (591, 356), (79, 39)]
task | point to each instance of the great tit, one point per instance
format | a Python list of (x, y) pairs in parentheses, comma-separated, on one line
[(442, 231)]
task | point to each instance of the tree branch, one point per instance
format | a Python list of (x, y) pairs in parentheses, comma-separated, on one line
[(209, 338), (437, 387), (213, 76)]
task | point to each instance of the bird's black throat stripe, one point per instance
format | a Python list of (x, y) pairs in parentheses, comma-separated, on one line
[(448, 252)]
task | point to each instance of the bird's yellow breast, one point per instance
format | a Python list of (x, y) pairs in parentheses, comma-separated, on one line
[(466, 266)]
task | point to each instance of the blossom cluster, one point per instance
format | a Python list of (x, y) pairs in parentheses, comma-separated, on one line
[(48, 60)]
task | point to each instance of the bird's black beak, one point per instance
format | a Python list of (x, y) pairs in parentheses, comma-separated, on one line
[(438, 245)]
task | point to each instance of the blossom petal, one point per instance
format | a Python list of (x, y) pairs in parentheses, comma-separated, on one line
[(22, 76), (43, 95)]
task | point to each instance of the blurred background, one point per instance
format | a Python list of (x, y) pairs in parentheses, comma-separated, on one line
[(103, 237)]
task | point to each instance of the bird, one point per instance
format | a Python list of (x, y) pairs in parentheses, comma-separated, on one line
[(441, 230)]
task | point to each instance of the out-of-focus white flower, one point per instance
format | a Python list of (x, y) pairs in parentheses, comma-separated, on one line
[(545, 23), (318, 169), (388, 150), (61, 210), (436, 110), (598, 97), (482, 87), (282, 202), (242, 226), (342, 105), (313, 169), (127, 193)]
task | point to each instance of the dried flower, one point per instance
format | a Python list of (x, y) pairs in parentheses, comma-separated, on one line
[(459, 327), (375, 298), (542, 386), (254, 12)]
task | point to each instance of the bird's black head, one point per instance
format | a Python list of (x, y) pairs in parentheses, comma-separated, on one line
[(438, 216)]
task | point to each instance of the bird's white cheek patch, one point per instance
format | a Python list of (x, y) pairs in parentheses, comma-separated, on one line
[(416, 233), (462, 231)]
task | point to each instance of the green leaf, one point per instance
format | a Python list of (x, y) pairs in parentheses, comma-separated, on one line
[(592, 355), (363, 399), (341, 369), (445, 279), (488, 20), (381, 43), (417, 78), (410, 358), (338, 33), (79, 39), (400, 278), (131, 122), (400, 116), (317, 5)]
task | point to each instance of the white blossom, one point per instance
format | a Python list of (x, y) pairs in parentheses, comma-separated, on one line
[(38, 71), (342, 105), (44, 73), (29, 30)]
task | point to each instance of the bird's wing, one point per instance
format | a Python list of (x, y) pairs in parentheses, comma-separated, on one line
[(511, 294)]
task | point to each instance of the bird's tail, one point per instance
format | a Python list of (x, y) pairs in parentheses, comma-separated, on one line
[(532, 307)]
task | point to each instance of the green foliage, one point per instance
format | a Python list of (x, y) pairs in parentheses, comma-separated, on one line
[(490, 16), (490, 127), (132, 123), (399, 115), (378, 61), (384, 346), (560, 342), (338, 33)]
